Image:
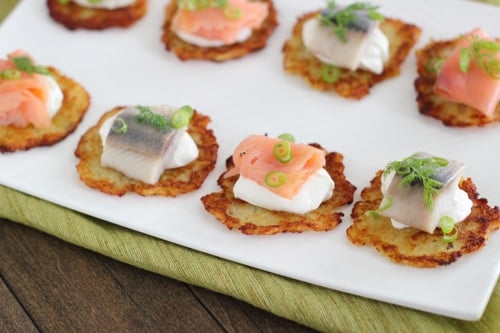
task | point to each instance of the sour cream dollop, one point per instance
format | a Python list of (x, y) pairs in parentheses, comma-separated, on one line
[(204, 42), (105, 4), (318, 188), (54, 96)]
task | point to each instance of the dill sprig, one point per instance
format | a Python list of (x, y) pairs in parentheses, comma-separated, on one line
[(485, 53), (151, 118), (414, 170), (339, 20), (25, 64)]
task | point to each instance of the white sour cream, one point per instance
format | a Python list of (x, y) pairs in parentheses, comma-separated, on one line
[(54, 97), (318, 188), (181, 151), (365, 51), (105, 4), (204, 42)]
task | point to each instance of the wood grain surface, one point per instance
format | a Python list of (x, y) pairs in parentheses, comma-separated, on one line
[(48, 285)]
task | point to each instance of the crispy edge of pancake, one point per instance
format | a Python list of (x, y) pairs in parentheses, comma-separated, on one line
[(253, 220), (73, 16), (75, 104), (431, 104), (172, 182), (187, 51), (417, 248), (351, 84)]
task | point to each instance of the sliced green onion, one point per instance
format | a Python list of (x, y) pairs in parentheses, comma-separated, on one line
[(63, 2), (485, 53), (275, 178), (119, 126), (376, 212), (94, 1), (434, 65), (329, 73), (449, 229), (449, 238), (10, 74), (221, 3), (440, 161), (232, 13), (447, 223), (282, 151), (286, 137), (464, 60), (182, 116)]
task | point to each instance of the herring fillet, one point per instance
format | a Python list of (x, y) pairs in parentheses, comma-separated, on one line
[(408, 206)]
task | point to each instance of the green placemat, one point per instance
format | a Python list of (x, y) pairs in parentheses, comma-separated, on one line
[(314, 306), (5, 7), (320, 308)]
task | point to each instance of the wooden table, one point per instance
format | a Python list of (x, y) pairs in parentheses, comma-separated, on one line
[(48, 285)]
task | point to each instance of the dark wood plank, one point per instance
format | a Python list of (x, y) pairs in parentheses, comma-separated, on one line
[(13, 318), (65, 288), (234, 315)]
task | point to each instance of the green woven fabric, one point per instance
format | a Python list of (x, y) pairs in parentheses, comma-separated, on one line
[(320, 308), (5, 7), (317, 307)]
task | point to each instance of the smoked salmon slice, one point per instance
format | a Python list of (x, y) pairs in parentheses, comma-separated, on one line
[(23, 100), (475, 88), (212, 23), (254, 159)]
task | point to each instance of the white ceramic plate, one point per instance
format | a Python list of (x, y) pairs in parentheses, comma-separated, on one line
[(254, 95)]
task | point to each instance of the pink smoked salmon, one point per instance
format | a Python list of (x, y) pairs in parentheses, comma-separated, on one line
[(23, 101), (254, 159), (211, 23), (475, 88)]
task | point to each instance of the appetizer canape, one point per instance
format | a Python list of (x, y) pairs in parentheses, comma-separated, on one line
[(274, 185), (38, 105), (218, 30), (96, 14), (157, 150), (459, 80), (348, 49), (421, 211)]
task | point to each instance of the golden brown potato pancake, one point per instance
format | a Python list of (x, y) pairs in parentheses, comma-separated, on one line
[(171, 183), (351, 84), (73, 16), (413, 247), (187, 51), (433, 105), (250, 219), (75, 103)]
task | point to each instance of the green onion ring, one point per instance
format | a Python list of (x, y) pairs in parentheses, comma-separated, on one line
[(282, 151), (434, 65), (464, 60), (182, 116), (232, 13), (451, 237), (275, 178), (329, 73), (119, 126), (10, 74), (286, 137), (447, 224)]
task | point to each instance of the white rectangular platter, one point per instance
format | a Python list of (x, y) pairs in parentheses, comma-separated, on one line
[(254, 95)]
